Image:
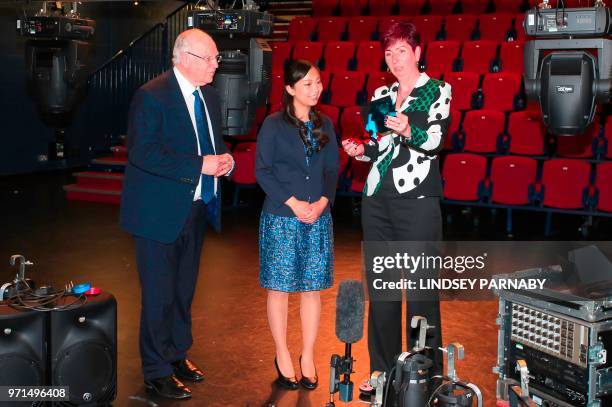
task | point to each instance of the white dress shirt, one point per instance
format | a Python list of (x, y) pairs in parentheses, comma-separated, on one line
[(187, 90)]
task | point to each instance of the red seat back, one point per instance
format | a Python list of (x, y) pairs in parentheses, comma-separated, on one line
[(463, 85), (338, 55), (462, 174), (362, 28), (478, 55), (511, 177), (459, 27), (345, 88), (302, 28), (369, 57), (500, 90), (440, 55), (603, 182), (482, 128), (244, 157), (527, 133), (564, 182), (511, 57), (331, 28)]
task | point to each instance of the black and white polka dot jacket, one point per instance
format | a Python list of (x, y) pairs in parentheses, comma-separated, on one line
[(409, 168)]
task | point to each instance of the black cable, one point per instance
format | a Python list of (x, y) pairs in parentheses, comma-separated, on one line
[(28, 299), (387, 386)]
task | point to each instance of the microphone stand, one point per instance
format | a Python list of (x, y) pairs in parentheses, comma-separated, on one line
[(341, 365)]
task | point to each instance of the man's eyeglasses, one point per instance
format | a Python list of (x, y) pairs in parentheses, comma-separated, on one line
[(208, 59)]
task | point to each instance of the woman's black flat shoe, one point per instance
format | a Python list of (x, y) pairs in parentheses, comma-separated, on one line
[(289, 383), (309, 383)]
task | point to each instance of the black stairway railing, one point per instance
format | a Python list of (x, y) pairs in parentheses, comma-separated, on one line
[(112, 85)]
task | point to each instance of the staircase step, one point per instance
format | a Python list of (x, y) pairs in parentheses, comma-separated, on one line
[(111, 161), (279, 35), (103, 195), (96, 179), (119, 152), (287, 17), (276, 5)]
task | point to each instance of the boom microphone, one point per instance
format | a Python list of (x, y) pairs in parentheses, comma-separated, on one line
[(350, 311), (349, 329)]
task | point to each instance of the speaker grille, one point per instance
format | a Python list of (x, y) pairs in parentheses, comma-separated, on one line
[(18, 370), (88, 369)]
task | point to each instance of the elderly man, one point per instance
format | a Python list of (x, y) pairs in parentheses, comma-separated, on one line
[(176, 154)]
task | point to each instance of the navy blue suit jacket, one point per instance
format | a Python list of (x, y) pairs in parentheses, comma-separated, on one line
[(163, 167), (281, 170)]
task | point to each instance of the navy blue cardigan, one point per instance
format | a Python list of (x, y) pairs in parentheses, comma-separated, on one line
[(281, 169)]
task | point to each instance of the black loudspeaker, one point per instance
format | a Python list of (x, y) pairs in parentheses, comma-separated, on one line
[(22, 349), (83, 350)]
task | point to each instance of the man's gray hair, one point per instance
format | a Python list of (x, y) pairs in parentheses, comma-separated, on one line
[(180, 45)]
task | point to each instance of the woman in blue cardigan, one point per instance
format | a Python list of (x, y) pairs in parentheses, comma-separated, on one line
[(297, 167)]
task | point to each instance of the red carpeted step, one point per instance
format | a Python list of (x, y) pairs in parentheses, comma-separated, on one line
[(119, 152), (93, 179), (110, 161), (103, 195)]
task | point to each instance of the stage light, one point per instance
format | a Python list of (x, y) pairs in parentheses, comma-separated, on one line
[(567, 68)]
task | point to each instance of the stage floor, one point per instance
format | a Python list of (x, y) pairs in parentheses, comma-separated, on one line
[(77, 241)]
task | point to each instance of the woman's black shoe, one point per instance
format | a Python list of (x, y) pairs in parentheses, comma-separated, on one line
[(289, 383), (309, 383), (168, 387)]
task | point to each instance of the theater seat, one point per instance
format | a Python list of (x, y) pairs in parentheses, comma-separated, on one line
[(478, 56), (565, 182), (603, 183), (483, 130), (501, 91), (527, 133), (463, 175), (511, 178), (464, 86), (302, 28)]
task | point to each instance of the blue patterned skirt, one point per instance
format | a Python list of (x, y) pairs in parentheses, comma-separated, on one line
[(294, 256)]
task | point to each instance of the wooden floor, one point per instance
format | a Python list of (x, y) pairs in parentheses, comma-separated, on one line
[(74, 241)]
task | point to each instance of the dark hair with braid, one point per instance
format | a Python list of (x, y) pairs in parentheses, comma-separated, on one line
[(295, 72)]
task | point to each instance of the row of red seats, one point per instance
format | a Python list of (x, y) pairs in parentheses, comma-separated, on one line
[(388, 7), (438, 56), (499, 91), (459, 27), (487, 132), (492, 132), (513, 180)]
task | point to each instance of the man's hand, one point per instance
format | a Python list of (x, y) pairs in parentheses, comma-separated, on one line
[(227, 163), (352, 148), (217, 165), (301, 209)]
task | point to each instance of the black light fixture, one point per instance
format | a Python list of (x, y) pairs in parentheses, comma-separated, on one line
[(567, 66), (57, 57)]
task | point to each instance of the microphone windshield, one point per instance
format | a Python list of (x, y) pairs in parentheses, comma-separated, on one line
[(349, 311)]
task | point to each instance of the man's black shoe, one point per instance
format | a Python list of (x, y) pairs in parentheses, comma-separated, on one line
[(185, 370), (168, 387)]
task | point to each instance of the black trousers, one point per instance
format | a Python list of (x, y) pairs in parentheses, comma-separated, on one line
[(168, 276), (400, 219)]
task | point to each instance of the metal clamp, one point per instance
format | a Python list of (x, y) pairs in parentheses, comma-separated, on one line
[(377, 381), (421, 323), (401, 360), (477, 392), (22, 265), (597, 354), (521, 367), (450, 351)]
